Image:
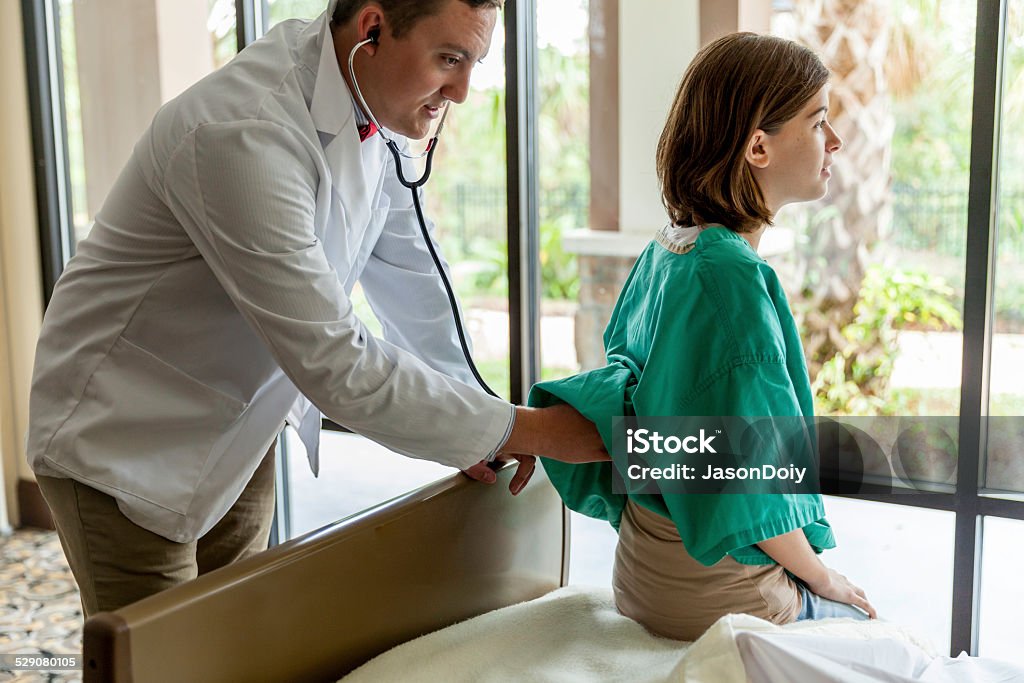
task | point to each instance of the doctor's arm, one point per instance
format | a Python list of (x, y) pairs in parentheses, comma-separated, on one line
[(557, 432)]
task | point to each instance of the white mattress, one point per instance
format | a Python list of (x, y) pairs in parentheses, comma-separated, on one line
[(575, 634)]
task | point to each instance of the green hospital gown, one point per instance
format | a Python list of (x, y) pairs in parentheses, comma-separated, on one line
[(705, 330)]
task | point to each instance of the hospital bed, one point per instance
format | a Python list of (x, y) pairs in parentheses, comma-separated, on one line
[(460, 581), (318, 606)]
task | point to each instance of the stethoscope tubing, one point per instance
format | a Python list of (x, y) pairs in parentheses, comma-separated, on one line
[(413, 187), (392, 145)]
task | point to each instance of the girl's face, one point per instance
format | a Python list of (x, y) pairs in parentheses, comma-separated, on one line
[(793, 164)]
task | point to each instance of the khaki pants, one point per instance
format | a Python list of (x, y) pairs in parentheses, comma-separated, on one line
[(117, 562), (656, 582)]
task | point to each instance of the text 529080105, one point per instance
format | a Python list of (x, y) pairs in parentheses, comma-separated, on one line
[(39, 662)]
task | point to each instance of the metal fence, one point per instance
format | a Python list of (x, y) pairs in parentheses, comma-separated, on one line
[(466, 213), (935, 219), (924, 219)]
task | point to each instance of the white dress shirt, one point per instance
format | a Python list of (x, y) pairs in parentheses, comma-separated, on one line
[(211, 300)]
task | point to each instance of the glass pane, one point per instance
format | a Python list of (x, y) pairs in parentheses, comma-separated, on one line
[(355, 474), (875, 271), (563, 168), (279, 10), (592, 551), (466, 198), (563, 119), (885, 548), (1002, 592), (1005, 467), (115, 80)]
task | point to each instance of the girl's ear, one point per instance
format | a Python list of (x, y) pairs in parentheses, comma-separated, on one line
[(756, 153)]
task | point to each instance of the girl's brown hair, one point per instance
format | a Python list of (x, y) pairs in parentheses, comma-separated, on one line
[(737, 84)]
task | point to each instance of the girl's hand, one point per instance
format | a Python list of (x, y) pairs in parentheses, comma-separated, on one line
[(835, 586)]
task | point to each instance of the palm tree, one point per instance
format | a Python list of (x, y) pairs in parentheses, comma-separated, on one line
[(853, 38)]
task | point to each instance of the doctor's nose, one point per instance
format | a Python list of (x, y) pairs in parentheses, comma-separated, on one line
[(457, 90)]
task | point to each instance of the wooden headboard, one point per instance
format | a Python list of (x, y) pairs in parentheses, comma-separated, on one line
[(316, 607)]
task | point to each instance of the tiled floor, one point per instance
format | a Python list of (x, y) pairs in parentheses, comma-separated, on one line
[(40, 613)]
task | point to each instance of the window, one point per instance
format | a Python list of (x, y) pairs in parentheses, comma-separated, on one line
[(883, 274), (466, 199), (875, 271), (1001, 590), (115, 80), (279, 10), (563, 173), (355, 474), (565, 114), (886, 548), (1005, 466), (557, 114)]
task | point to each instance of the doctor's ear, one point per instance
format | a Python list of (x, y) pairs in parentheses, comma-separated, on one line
[(368, 27), (756, 152)]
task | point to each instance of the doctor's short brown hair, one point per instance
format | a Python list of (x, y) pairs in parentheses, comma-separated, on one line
[(402, 14), (735, 85)]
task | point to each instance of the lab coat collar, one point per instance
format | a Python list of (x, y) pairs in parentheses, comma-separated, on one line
[(331, 106), (355, 166)]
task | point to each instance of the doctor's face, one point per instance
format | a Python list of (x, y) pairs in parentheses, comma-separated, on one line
[(409, 79)]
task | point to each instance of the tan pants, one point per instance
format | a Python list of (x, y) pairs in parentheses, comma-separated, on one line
[(657, 583), (117, 562)]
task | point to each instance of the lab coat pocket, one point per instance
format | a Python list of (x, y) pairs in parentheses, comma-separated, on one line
[(145, 428)]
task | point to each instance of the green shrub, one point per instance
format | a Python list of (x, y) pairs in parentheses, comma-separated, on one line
[(855, 380), (559, 274), (488, 266)]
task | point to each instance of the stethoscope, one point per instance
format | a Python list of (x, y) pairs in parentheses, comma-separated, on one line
[(413, 187)]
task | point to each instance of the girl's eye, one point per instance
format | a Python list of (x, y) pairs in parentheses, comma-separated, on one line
[(820, 124)]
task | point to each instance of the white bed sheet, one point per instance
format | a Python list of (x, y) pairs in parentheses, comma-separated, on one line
[(770, 657), (574, 634)]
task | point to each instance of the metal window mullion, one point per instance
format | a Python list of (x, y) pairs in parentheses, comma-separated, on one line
[(1001, 507), (978, 289), (921, 500), (523, 212), (45, 80), (250, 21)]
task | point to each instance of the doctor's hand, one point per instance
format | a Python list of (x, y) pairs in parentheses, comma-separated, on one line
[(485, 471), (556, 432)]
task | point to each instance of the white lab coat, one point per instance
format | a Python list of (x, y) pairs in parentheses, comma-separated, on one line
[(211, 299)]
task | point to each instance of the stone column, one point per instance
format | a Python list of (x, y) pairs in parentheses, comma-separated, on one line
[(131, 56), (638, 51)]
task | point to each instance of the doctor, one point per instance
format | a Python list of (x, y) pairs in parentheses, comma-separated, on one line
[(210, 303)]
